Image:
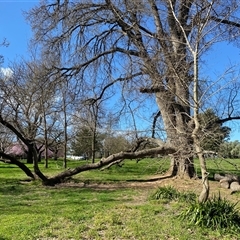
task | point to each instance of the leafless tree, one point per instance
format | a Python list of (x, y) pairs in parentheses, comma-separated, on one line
[(145, 44), (88, 116), (23, 107), (20, 103)]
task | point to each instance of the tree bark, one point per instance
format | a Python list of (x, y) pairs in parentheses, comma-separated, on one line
[(33, 149)]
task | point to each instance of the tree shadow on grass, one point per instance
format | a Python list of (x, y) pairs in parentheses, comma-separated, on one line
[(153, 179), (135, 183)]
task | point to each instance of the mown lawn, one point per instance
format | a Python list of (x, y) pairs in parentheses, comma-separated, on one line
[(100, 204)]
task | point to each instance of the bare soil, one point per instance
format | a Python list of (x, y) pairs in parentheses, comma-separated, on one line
[(185, 185)]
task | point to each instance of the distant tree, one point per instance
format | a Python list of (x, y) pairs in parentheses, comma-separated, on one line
[(23, 107), (235, 152), (20, 103), (115, 144), (81, 144), (213, 133), (230, 149)]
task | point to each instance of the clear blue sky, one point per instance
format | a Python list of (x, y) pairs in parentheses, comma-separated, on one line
[(14, 28)]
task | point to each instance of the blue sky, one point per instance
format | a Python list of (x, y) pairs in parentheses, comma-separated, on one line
[(14, 28)]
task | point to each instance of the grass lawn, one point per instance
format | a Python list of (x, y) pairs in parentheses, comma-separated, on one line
[(109, 204)]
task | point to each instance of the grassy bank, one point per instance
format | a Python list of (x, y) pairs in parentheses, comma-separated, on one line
[(97, 205)]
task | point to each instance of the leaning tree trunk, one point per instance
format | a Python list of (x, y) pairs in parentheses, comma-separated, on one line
[(196, 132), (22, 166), (33, 149)]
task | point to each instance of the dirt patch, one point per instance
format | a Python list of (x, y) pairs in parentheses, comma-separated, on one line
[(183, 185)]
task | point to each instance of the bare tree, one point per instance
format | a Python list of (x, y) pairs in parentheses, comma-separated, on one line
[(89, 116), (145, 44), (23, 106), (20, 103)]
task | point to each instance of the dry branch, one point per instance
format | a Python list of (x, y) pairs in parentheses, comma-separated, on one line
[(111, 164)]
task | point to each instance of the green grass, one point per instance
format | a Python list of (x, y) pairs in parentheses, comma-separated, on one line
[(29, 210)]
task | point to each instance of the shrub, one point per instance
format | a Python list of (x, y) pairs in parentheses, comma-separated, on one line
[(216, 213)]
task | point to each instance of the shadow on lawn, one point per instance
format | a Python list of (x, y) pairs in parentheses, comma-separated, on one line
[(11, 188), (14, 186), (154, 179)]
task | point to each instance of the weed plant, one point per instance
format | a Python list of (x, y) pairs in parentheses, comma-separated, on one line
[(170, 193), (217, 214)]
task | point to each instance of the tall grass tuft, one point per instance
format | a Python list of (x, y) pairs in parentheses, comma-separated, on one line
[(216, 213), (169, 193)]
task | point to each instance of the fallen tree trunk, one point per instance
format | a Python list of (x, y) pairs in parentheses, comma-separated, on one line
[(228, 181), (113, 163), (229, 177), (224, 183), (165, 148), (235, 187)]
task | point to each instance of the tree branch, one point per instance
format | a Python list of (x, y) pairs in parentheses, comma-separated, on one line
[(13, 160), (164, 148), (223, 120), (121, 79), (224, 21)]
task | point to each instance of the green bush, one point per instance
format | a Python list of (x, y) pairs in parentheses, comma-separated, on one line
[(216, 213), (170, 193)]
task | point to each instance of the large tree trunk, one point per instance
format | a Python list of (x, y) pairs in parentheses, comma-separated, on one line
[(182, 167), (176, 121), (33, 149)]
